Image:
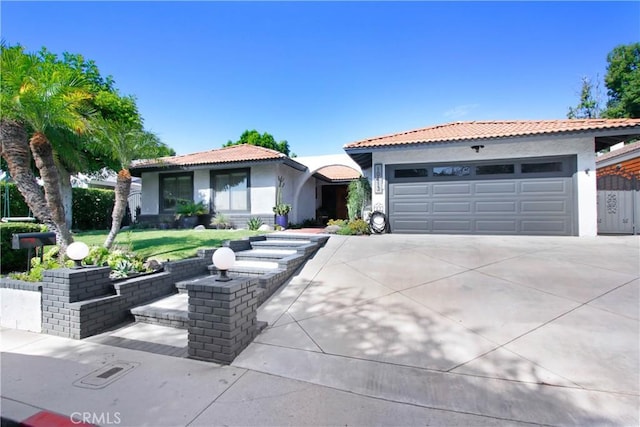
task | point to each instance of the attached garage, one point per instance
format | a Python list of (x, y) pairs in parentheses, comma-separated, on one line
[(533, 196), (530, 177)]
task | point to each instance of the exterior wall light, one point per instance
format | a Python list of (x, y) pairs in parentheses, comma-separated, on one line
[(223, 259), (477, 147), (77, 251)]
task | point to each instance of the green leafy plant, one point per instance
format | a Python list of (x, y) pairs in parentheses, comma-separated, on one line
[(359, 195), (190, 208), (357, 227), (221, 221), (122, 263), (254, 223), (280, 208), (338, 222)]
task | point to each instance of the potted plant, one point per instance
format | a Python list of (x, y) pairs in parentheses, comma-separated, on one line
[(282, 214), (187, 213), (281, 209)]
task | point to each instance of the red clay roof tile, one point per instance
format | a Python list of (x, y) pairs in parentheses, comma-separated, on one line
[(232, 154), (459, 131), (338, 173)]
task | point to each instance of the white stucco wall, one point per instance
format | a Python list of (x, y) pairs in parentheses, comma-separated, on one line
[(263, 191), (201, 184), (150, 193), (20, 310), (583, 147)]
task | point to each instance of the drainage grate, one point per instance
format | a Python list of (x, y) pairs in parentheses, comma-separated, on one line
[(106, 375)]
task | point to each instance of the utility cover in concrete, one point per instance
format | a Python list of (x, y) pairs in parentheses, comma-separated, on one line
[(104, 376)]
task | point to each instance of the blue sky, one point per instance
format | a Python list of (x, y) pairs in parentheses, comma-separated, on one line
[(324, 74)]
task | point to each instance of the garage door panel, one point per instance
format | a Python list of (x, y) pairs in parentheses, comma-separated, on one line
[(452, 226), (417, 225), (496, 188), (418, 189), (544, 187), (549, 226), (543, 206), (496, 207), (509, 226), (410, 207), (452, 207), (458, 188)]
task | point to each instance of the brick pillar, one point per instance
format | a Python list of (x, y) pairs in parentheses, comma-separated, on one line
[(63, 287), (222, 318)]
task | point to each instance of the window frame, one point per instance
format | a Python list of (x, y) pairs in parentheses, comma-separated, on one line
[(161, 177), (212, 180)]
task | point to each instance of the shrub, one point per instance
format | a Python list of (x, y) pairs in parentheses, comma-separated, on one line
[(338, 222), (254, 223), (358, 196), (92, 208), (356, 227), (121, 262), (221, 221), (15, 259)]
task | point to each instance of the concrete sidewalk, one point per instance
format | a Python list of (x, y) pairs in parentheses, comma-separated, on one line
[(384, 330)]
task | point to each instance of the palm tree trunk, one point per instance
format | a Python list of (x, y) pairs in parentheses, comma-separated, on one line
[(123, 186), (15, 150), (43, 156), (67, 194)]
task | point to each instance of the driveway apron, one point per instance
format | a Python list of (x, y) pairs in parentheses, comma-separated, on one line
[(531, 329)]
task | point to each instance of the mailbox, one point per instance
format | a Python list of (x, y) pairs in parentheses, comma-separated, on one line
[(32, 240)]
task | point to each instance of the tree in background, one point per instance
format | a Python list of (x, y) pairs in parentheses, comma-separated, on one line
[(589, 106), (253, 137), (623, 82), (623, 87)]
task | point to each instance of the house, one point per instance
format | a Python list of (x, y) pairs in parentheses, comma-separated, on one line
[(618, 183), (491, 177), (240, 181)]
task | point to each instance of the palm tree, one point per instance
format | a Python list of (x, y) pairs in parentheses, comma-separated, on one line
[(14, 148), (124, 142), (49, 96)]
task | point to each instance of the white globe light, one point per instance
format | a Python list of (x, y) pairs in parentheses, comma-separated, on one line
[(223, 258), (77, 251)]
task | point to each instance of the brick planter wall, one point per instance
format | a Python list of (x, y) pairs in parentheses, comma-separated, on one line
[(222, 318)]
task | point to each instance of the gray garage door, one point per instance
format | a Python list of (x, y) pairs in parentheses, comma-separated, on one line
[(532, 196)]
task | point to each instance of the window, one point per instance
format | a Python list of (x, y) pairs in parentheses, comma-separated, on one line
[(542, 167), (410, 173), (494, 169), (451, 171), (230, 190), (174, 189)]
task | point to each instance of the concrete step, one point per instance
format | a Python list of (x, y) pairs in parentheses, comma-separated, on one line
[(169, 311), (280, 243), (264, 254)]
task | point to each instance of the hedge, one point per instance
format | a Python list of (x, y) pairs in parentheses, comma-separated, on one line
[(92, 208), (15, 259), (17, 205)]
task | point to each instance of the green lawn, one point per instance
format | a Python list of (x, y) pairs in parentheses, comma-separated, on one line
[(166, 244)]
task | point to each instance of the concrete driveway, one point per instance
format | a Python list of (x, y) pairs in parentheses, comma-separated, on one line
[(516, 329)]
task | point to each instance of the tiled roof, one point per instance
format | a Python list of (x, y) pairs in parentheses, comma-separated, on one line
[(629, 148), (459, 131), (232, 154), (338, 173)]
